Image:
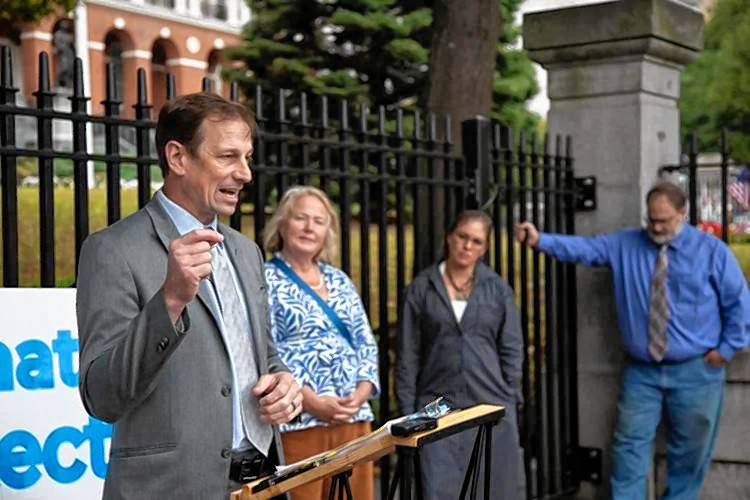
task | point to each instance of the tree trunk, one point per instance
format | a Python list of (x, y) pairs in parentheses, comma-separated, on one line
[(462, 66), (462, 59)]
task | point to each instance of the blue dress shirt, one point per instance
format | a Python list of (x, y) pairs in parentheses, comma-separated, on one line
[(708, 296), (185, 222)]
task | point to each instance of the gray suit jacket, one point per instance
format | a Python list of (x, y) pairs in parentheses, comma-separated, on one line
[(167, 392), (476, 360)]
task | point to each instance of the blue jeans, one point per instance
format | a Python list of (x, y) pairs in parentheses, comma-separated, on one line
[(691, 393)]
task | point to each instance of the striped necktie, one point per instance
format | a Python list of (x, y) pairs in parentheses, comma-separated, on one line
[(237, 334), (658, 310)]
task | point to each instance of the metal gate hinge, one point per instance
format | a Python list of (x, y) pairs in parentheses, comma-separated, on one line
[(588, 464), (585, 188)]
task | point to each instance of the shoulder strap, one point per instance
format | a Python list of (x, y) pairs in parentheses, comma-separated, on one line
[(335, 319)]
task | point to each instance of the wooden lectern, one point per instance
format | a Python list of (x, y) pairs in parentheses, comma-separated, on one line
[(338, 463)]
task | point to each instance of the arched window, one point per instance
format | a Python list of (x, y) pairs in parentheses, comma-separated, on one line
[(162, 51), (113, 49)]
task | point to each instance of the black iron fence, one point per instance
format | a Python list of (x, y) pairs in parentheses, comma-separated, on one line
[(718, 188), (397, 180)]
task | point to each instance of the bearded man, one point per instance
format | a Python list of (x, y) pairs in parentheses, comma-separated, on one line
[(682, 307)]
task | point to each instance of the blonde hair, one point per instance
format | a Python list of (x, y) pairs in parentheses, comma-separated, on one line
[(272, 240)]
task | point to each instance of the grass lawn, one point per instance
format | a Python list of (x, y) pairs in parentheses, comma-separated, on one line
[(742, 252), (28, 224), (28, 203)]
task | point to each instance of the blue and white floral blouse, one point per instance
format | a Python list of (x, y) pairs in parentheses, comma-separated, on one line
[(311, 346)]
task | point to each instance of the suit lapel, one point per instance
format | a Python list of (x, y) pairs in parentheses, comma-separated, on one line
[(437, 282), (167, 232), (436, 279), (471, 313), (250, 285)]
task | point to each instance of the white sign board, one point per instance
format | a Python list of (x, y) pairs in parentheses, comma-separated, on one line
[(49, 446)]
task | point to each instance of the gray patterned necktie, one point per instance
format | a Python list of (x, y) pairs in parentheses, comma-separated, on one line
[(237, 334), (658, 310)]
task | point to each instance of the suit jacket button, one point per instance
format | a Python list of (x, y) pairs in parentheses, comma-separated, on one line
[(225, 453), (163, 343), (226, 390)]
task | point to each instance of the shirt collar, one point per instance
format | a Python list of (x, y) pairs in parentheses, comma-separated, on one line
[(678, 241), (682, 237), (183, 220)]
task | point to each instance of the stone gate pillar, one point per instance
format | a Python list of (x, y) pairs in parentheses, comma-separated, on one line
[(614, 80)]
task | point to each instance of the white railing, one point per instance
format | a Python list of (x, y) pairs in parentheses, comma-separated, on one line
[(227, 15)]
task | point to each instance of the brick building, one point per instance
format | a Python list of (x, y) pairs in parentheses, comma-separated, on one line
[(183, 37)]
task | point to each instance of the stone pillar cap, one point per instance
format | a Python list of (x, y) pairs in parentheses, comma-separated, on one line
[(666, 29)]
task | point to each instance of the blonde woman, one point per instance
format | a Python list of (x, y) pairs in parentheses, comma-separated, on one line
[(322, 334)]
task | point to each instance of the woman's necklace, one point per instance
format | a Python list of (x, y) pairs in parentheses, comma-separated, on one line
[(320, 284), (462, 292)]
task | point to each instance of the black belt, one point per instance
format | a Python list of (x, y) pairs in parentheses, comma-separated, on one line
[(668, 362), (248, 465)]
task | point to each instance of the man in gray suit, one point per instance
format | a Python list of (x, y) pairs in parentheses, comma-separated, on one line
[(173, 322)]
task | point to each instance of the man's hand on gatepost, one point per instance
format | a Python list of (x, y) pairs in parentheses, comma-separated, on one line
[(527, 233)]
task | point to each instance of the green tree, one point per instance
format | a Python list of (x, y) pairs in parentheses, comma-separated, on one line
[(379, 50), (370, 48), (515, 82), (716, 86), (31, 10)]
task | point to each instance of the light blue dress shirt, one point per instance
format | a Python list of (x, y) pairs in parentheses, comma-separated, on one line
[(708, 295), (185, 222)]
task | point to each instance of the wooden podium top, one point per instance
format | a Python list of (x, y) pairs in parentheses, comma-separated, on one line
[(372, 447), (453, 423)]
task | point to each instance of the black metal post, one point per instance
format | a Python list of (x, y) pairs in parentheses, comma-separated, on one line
[(9, 174), (80, 174), (260, 162), (506, 145), (235, 220), (571, 300), (419, 208), (400, 209), (453, 193), (143, 141), (112, 146), (497, 206), (325, 149), (724, 202), (384, 347), (475, 138), (364, 210), (550, 330), (344, 195), (540, 450), (528, 433), (304, 141), (435, 211), (282, 145), (44, 102)]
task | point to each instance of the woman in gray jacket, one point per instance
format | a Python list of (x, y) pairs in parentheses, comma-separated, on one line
[(460, 338)]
